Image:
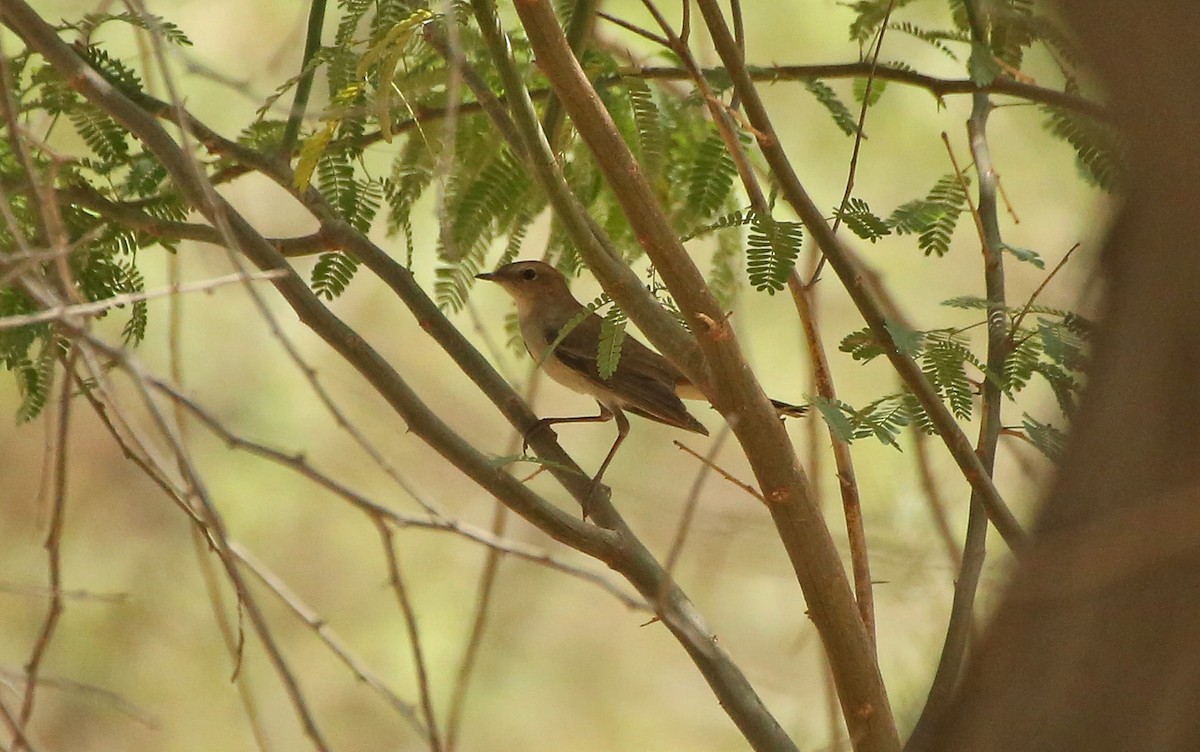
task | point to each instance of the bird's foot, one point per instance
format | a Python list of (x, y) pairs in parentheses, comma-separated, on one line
[(541, 425)]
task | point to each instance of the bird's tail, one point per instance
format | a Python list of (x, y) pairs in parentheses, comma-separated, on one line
[(789, 411)]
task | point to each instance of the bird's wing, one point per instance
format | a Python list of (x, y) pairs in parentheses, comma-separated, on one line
[(644, 381)]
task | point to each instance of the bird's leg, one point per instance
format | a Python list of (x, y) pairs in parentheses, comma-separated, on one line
[(622, 430), (604, 416)]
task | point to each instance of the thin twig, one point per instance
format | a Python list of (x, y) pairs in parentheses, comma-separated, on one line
[(14, 729), (105, 696), (312, 43), (638, 30), (691, 503), (482, 610), (721, 471), (939, 87), (223, 217), (859, 135), (299, 464), (1008, 205), (116, 301), (400, 589), (804, 298), (212, 520), (486, 588), (325, 633), (53, 546), (1020, 318), (933, 495)]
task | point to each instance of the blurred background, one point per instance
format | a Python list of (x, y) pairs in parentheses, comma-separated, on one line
[(138, 661)]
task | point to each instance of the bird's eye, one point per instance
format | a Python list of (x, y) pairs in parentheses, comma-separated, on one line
[(529, 274)]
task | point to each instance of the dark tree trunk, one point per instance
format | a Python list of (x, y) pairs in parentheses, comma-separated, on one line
[(1096, 645)]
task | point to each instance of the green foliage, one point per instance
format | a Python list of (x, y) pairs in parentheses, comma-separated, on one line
[(869, 15), (332, 273), (1049, 440), (1024, 254), (879, 86), (907, 341), (1097, 146), (412, 172), (709, 177), (652, 139), (103, 135), (1011, 33), (600, 301), (934, 217), (34, 379), (1054, 350), (842, 117), (109, 168), (612, 335), (168, 31), (934, 37), (735, 218), (725, 278), (861, 345), (771, 251), (837, 415), (982, 65), (943, 360), (859, 219), (882, 419), (383, 81), (482, 204), (111, 69)]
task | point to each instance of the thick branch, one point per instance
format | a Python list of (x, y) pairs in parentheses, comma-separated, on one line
[(735, 393)]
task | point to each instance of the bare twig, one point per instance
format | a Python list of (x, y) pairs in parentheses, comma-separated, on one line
[(396, 579), (483, 602), (721, 471), (312, 42), (486, 588), (213, 523), (53, 546), (939, 87), (634, 28), (859, 134), (1020, 318), (693, 498), (804, 298), (933, 495), (325, 633), (116, 301)]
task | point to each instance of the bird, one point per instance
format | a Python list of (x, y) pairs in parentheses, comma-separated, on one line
[(644, 382)]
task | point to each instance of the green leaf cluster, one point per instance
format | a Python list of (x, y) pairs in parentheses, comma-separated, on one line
[(383, 76), (933, 218), (110, 170), (1042, 341)]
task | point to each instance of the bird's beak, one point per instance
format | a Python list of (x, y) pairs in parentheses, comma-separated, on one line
[(489, 276)]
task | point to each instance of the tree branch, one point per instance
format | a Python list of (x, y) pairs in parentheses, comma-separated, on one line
[(850, 271), (733, 392)]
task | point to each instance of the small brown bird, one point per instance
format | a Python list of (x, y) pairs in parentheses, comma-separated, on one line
[(644, 383)]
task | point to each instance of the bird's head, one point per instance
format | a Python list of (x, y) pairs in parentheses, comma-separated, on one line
[(531, 281)]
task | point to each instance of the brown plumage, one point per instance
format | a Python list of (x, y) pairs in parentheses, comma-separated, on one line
[(644, 383)]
